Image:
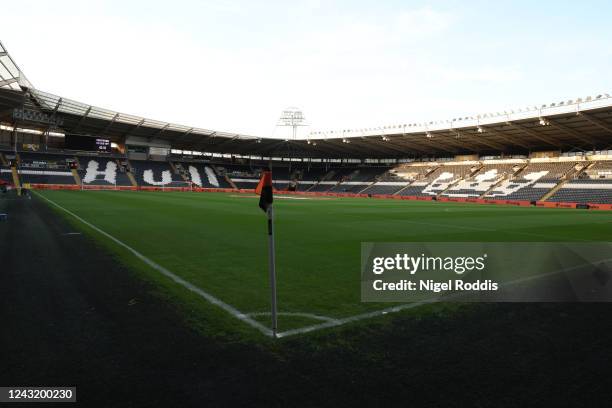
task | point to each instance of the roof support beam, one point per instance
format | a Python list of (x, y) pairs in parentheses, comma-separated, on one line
[(159, 132), (596, 121), (7, 81), (533, 134), (132, 130), (57, 105), (187, 133), (226, 142), (107, 127), (204, 141), (78, 126)]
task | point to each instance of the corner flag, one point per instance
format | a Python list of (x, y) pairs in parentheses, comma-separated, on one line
[(264, 189)]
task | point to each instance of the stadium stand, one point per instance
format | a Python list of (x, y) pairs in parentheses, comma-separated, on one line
[(396, 179), (5, 170), (584, 191), (41, 168), (555, 180), (486, 177), (155, 173), (200, 174), (534, 181), (359, 179), (97, 171), (593, 185), (435, 182)]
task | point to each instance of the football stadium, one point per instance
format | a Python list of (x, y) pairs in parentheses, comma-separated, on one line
[(138, 268)]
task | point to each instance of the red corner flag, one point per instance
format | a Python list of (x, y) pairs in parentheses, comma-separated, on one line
[(264, 189)]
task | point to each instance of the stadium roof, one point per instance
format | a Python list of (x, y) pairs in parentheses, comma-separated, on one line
[(11, 76), (580, 124)]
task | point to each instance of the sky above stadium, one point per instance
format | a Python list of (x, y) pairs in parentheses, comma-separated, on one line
[(235, 65)]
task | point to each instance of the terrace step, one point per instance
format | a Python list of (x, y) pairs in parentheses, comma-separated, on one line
[(77, 178), (366, 187), (569, 175), (132, 179), (173, 167), (405, 187), (230, 182), (553, 190), (16, 179)]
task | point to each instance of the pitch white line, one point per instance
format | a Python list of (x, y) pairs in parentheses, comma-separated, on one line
[(328, 322), (354, 318), (298, 314), (376, 313), (210, 298)]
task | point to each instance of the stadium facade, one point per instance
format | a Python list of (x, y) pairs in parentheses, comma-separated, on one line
[(559, 154)]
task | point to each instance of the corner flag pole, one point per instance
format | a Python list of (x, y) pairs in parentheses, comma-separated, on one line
[(272, 268), (266, 198)]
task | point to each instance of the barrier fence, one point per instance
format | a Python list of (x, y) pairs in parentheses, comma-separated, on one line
[(546, 204)]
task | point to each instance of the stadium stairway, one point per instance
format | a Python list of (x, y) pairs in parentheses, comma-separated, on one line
[(223, 175), (15, 173), (230, 182), (15, 177), (180, 170), (77, 177), (410, 182), (571, 174), (398, 192), (554, 190), (130, 173), (403, 188), (327, 177), (132, 179), (366, 187)]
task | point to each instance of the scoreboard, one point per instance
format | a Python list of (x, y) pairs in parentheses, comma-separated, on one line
[(91, 144), (102, 145)]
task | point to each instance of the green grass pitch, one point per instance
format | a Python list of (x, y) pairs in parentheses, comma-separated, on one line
[(218, 241)]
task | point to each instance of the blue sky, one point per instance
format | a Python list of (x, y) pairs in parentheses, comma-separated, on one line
[(235, 65)]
